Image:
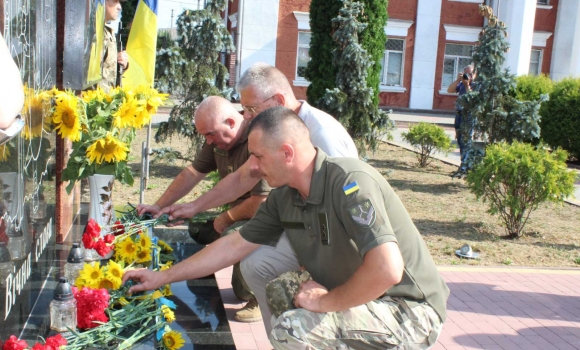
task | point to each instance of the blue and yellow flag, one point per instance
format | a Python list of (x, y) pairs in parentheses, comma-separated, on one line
[(141, 45)]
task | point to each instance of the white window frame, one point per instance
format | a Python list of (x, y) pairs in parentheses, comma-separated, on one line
[(385, 62), (298, 47), (539, 71), (456, 69)]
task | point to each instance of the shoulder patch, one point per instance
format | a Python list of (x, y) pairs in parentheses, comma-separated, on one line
[(363, 213), (350, 188)]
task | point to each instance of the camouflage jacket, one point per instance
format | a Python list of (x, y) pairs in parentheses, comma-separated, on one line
[(109, 59)]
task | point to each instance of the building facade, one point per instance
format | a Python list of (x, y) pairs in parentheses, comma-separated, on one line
[(429, 43)]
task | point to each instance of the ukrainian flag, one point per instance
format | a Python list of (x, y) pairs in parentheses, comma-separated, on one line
[(96, 56), (141, 45)]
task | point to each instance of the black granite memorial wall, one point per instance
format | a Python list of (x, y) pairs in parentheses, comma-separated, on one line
[(27, 186)]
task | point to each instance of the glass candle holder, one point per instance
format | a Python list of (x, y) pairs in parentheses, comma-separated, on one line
[(63, 308)]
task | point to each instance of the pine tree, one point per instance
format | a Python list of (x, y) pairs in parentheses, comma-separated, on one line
[(190, 66), (492, 109), (320, 72), (351, 102)]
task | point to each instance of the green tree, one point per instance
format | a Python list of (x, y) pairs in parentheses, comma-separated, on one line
[(351, 101), (320, 70), (427, 138), (516, 178), (491, 108), (193, 59), (561, 116)]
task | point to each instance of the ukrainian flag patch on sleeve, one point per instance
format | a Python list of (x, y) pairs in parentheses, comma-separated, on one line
[(350, 188)]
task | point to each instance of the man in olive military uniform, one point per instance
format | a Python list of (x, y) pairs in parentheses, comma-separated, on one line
[(112, 58), (374, 284), (225, 150)]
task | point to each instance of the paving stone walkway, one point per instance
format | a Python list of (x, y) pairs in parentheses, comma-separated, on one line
[(489, 308)]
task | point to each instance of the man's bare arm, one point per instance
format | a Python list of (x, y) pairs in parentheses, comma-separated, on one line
[(227, 190), (187, 179), (382, 268), (218, 255), (242, 211), (11, 93)]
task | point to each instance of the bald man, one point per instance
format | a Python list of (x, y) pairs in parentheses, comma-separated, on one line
[(374, 284), (225, 150)]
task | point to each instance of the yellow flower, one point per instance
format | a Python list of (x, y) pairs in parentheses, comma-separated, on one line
[(66, 116), (143, 256), (166, 248), (173, 340), (109, 284), (33, 113), (4, 153), (125, 116), (168, 314), (145, 241), (115, 273), (98, 94), (167, 290), (92, 275), (126, 250), (108, 149)]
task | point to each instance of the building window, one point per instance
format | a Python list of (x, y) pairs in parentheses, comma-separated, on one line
[(543, 2), (303, 56), (392, 70), (456, 58), (536, 62)]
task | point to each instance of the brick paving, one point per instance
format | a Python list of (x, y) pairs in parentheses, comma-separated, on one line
[(489, 308)]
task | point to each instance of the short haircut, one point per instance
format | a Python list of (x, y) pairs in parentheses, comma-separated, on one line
[(279, 122), (471, 67), (267, 80)]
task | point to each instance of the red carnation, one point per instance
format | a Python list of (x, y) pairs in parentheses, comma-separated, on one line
[(109, 238), (102, 248), (56, 341), (39, 346), (93, 228), (118, 228), (14, 344)]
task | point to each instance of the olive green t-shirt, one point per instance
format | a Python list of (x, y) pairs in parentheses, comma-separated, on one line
[(350, 210), (211, 158)]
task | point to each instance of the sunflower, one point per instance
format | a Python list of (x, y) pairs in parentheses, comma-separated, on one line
[(107, 149), (98, 94), (168, 314), (107, 283), (66, 116), (173, 340), (125, 116), (143, 256), (167, 290), (4, 153), (126, 250), (92, 275), (33, 112), (145, 242), (115, 273), (166, 248)]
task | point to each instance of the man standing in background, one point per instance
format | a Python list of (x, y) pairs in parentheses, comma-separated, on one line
[(112, 58)]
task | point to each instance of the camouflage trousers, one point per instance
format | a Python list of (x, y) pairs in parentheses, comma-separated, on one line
[(387, 323)]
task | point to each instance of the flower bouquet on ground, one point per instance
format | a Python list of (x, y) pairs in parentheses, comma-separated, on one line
[(108, 316), (101, 127)]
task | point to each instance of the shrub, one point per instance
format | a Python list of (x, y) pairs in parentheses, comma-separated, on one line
[(427, 138), (560, 122), (516, 178), (531, 87)]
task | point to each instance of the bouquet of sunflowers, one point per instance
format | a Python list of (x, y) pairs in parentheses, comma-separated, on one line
[(101, 127)]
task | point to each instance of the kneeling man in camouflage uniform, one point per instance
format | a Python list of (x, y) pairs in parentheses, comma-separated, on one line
[(370, 282)]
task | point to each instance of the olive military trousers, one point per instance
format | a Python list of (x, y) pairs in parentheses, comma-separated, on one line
[(388, 323)]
